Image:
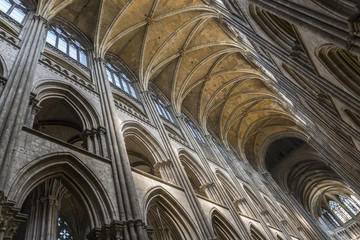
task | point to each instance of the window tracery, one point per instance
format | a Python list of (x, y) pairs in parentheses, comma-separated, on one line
[(351, 205), (120, 79), (13, 8), (339, 211), (162, 110), (65, 42)]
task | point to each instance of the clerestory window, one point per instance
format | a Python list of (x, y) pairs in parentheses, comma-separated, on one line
[(120, 79), (65, 42), (194, 130), (162, 110), (13, 8)]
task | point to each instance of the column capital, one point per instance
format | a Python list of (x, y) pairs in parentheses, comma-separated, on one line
[(10, 217)]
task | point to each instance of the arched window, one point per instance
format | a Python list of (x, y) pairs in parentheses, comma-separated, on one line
[(65, 42), (330, 218), (162, 110), (13, 8), (339, 211), (194, 130), (350, 204), (120, 80)]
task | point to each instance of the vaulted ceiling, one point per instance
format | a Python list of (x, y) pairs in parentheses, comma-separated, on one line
[(189, 54)]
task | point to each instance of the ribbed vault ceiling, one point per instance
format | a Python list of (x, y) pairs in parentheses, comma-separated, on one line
[(184, 50)]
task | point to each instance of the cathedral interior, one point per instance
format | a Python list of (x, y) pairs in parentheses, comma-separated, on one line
[(179, 119)]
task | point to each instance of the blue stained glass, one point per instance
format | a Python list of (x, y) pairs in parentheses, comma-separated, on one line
[(339, 211), (351, 205)]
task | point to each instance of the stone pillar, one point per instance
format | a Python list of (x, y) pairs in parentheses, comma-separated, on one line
[(95, 139), (205, 227), (128, 203), (33, 110), (101, 131), (16, 93)]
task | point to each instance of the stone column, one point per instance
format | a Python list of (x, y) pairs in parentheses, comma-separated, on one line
[(16, 93), (128, 203), (239, 223), (44, 211), (34, 108), (101, 131), (205, 228)]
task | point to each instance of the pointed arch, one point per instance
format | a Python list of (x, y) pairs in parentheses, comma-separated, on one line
[(144, 151), (344, 65), (223, 229), (195, 172), (256, 234), (167, 216), (75, 175)]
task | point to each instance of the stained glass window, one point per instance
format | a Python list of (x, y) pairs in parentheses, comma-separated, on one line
[(350, 204), (339, 211), (120, 80), (13, 8), (64, 230), (63, 41)]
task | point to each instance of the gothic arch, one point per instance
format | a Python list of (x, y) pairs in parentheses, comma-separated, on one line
[(342, 64), (256, 234), (228, 186), (167, 216), (271, 139), (144, 151), (223, 229), (60, 106), (51, 88), (277, 29), (75, 175), (195, 172)]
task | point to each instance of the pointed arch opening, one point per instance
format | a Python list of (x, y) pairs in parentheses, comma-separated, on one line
[(223, 229), (167, 217)]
